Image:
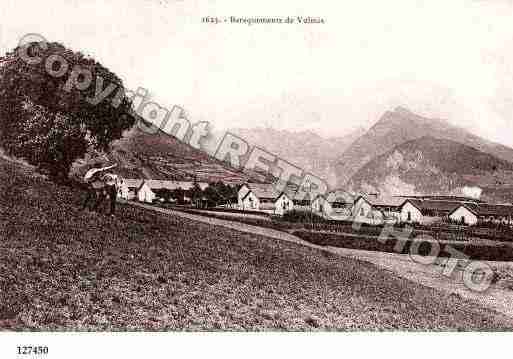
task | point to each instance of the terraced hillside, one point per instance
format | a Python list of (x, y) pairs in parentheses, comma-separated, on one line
[(160, 156), (65, 269)]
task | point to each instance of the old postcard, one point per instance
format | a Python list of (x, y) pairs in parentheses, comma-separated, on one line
[(236, 166)]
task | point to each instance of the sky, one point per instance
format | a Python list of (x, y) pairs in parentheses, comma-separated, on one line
[(443, 59)]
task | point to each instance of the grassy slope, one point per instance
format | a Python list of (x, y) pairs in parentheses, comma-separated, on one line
[(63, 269)]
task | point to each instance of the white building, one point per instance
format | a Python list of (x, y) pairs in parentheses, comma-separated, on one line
[(264, 198), (283, 204), (410, 212), (473, 213), (320, 205), (363, 212), (133, 185), (241, 193), (335, 205), (123, 190), (155, 184), (464, 214), (145, 194), (430, 210), (375, 209)]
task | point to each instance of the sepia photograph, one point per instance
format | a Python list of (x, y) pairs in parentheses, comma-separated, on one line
[(197, 172)]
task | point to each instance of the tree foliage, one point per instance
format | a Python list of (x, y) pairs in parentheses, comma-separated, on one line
[(219, 193), (195, 193), (47, 120)]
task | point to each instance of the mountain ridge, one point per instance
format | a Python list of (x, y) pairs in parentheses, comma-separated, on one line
[(430, 165), (305, 149), (162, 156), (402, 125)]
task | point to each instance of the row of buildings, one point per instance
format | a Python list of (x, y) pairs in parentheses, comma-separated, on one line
[(147, 190), (339, 205), (374, 209)]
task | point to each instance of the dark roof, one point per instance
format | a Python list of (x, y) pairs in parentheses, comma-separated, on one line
[(427, 206), (480, 209), (487, 210), (141, 186), (443, 198), (263, 190), (386, 201), (495, 210), (338, 196), (163, 184), (382, 201), (472, 207), (272, 190)]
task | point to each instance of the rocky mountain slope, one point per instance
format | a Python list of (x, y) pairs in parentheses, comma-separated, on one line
[(400, 126), (305, 149), (431, 165)]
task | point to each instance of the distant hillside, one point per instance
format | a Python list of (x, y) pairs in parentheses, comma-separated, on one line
[(305, 149), (435, 166), (401, 125), (160, 156)]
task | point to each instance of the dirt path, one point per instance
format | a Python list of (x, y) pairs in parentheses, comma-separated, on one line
[(496, 297), (233, 214)]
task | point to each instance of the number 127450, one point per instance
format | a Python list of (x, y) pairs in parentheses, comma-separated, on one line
[(32, 350)]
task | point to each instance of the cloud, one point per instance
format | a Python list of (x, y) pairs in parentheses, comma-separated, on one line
[(469, 191)]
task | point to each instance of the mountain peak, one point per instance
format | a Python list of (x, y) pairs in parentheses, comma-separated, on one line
[(403, 110), (402, 116), (402, 125), (432, 165)]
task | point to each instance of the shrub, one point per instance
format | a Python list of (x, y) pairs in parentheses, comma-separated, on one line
[(303, 217), (486, 252)]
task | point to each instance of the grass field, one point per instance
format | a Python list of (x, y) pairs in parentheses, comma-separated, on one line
[(64, 269)]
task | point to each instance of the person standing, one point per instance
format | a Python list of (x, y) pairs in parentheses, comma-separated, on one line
[(111, 189), (95, 185)]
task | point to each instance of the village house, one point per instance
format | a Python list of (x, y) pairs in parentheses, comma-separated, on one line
[(389, 206), (410, 212), (464, 214), (362, 209), (335, 205), (133, 186), (241, 193), (123, 190), (471, 214), (155, 184), (264, 198), (376, 209), (364, 212), (145, 194), (428, 211)]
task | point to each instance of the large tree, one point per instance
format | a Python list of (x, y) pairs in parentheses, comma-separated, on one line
[(49, 110)]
